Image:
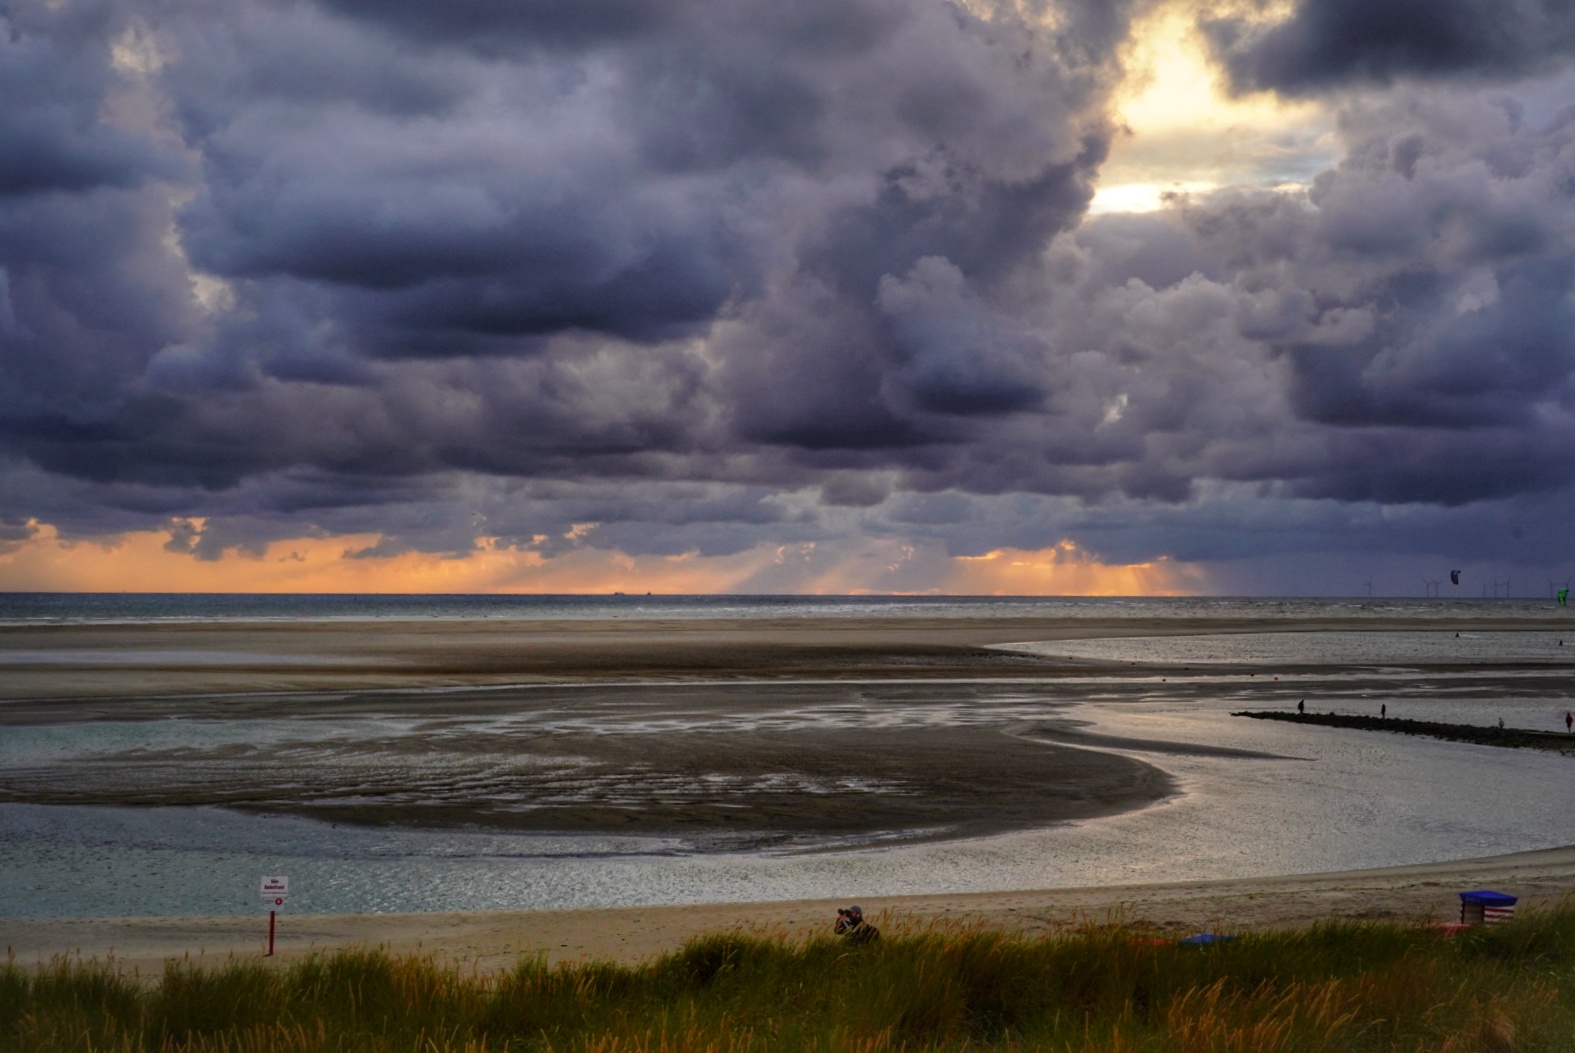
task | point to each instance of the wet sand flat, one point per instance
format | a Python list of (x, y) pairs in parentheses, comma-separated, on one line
[(734, 734), (117, 661), (723, 764)]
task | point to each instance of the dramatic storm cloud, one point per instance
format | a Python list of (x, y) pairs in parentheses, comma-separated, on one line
[(1326, 42), (812, 291)]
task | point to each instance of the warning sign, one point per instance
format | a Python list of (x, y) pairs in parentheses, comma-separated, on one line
[(275, 888)]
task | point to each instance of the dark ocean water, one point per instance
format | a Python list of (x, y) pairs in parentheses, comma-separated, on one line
[(45, 607)]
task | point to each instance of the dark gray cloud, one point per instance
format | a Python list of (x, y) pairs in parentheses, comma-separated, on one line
[(1325, 43), (639, 189), (1420, 301), (14, 534), (496, 25), (1401, 336), (710, 274), (55, 80)]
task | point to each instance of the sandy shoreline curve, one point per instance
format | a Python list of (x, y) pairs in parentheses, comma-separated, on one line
[(492, 941)]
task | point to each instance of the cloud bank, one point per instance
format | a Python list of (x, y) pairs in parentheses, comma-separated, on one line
[(703, 277)]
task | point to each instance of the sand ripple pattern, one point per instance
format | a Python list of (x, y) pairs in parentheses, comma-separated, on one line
[(762, 764)]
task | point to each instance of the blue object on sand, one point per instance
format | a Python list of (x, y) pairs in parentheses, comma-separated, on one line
[(1203, 939), (1485, 906)]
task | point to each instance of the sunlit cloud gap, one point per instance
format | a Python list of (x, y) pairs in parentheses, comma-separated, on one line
[(1186, 134)]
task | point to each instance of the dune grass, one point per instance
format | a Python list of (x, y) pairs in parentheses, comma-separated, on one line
[(1338, 987)]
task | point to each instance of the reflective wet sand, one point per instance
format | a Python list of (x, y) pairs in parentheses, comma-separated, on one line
[(721, 765)]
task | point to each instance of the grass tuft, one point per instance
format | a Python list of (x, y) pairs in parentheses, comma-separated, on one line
[(1330, 988)]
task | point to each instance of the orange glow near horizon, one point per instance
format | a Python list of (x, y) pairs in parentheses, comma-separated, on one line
[(139, 561), (1065, 570)]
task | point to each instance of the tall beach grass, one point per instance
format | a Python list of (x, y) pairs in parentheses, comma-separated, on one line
[(1334, 987)]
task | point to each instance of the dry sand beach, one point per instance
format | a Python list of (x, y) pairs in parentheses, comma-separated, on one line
[(497, 940), (972, 784)]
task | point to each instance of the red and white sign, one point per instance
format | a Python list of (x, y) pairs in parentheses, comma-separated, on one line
[(276, 888)]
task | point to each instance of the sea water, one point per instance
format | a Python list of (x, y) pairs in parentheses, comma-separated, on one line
[(22, 608), (1293, 800)]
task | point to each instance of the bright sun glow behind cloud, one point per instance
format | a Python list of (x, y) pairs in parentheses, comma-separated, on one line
[(1187, 135)]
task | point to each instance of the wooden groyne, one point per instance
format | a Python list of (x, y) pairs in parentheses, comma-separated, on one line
[(1515, 738)]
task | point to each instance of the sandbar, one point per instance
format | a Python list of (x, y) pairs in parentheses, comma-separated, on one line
[(121, 661)]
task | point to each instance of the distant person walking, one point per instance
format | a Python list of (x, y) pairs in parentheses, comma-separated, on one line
[(1301, 707), (1569, 723), (1383, 711)]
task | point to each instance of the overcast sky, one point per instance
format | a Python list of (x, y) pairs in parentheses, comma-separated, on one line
[(752, 296)]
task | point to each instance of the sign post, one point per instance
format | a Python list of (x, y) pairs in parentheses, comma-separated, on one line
[(274, 890)]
